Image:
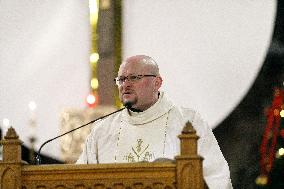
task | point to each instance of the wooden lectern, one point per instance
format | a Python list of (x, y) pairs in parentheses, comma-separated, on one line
[(184, 173)]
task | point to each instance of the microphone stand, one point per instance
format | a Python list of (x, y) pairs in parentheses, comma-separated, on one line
[(38, 158)]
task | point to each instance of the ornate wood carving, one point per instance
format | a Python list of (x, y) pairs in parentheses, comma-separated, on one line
[(184, 173), (189, 164), (10, 167)]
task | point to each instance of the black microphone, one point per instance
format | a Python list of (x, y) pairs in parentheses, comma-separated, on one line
[(38, 158)]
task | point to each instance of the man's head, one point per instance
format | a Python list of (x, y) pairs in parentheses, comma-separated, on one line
[(139, 82)]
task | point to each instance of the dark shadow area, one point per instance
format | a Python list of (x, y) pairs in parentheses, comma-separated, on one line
[(28, 156)]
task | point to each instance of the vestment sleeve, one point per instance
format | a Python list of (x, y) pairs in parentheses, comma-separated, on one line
[(89, 153), (83, 157), (215, 168)]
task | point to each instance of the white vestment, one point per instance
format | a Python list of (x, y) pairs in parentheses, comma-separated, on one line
[(152, 134)]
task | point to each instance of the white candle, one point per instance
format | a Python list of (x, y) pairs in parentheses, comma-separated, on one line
[(6, 124), (32, 122)]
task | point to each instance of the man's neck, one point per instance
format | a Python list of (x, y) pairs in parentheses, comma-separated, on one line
[(139, 110)]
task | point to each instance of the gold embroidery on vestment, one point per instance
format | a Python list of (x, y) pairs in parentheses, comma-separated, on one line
[(139, 153)]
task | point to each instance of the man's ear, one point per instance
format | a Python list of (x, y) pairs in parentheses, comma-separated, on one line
[(158, 82)]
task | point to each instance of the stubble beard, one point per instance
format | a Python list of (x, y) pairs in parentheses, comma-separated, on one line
[(129, 103)]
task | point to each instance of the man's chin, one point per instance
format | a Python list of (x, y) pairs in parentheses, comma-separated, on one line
[(128, 103)]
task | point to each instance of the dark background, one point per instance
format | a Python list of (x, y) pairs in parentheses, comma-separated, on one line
[(240, 134)]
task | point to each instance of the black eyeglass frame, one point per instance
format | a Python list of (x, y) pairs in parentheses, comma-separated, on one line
[(131, 78)]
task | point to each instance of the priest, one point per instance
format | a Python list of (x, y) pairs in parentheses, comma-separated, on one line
[(147, 129)]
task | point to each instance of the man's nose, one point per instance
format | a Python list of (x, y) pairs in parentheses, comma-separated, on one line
[(126, 82)]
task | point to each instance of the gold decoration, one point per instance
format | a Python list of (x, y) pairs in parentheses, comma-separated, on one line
[(261, 180), (276, 112), (73, 143), (139, 153), (105, 4), (94, 57)]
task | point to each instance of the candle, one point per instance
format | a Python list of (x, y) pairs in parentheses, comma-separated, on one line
[(32, 122)]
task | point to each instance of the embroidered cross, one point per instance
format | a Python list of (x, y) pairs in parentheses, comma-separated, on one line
[(140, 154)]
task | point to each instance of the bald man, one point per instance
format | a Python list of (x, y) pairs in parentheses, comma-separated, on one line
[(148, 128)]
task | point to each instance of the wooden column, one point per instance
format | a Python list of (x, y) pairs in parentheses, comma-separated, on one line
[(188, 164), (109, 49), (10, 166)]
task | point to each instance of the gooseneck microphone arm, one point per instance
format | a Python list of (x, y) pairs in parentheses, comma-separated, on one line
[(38, 158)]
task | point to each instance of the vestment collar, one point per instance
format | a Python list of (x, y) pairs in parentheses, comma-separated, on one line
[(160, 108)]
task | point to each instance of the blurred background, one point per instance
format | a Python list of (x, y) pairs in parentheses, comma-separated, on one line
[(58, 59)]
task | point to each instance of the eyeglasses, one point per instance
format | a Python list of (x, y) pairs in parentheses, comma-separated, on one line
[(131, 78)]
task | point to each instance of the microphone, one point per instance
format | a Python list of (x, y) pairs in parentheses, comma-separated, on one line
[(38, 158)]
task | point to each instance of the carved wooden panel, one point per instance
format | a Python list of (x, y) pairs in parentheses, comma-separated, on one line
[(102, 185), (102, 176), (9, 177)]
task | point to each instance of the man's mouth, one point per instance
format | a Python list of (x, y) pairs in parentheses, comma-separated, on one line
[(127, 93)]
